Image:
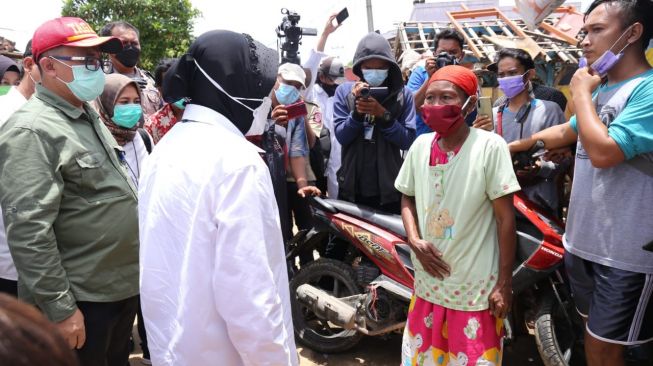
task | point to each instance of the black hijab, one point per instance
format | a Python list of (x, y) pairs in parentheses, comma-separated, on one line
[(243, 67)]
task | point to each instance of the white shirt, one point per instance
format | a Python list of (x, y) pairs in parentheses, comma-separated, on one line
[(321, 98), (312, 63), (214, 283), (9, 103), (135, 154)]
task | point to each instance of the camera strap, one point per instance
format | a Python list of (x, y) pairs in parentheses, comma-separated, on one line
[(520, 117)]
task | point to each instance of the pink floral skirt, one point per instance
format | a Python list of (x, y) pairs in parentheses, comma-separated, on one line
[(437, 336)]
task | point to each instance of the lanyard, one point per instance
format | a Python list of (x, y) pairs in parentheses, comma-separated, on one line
[(520, 117)]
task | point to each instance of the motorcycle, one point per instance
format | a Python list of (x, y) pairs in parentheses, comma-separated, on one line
[(363, 281)]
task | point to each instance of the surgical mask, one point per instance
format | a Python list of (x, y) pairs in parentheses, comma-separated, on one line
[(129, 56), (607, 60), (86, 85), (260, 114), (511, 86), (375, 77), (286, 94), (4, 89), (181, 103), (127, 115), (444, 119)]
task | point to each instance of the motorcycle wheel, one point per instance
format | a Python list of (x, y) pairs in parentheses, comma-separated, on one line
[(338, 279), (555, 337)]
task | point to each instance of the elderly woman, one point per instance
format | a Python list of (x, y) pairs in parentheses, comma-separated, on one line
[(457, 210)]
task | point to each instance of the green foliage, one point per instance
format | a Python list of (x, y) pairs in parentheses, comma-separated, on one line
[(165, 26)]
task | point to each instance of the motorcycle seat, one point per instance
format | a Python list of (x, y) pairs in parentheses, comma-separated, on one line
[(387, 221)]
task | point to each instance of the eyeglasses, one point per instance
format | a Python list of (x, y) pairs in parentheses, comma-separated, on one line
[(92, 63)]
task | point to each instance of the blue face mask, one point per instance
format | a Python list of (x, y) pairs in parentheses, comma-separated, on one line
[(286, 94), (375, 77), (86, 85), (127, 115)]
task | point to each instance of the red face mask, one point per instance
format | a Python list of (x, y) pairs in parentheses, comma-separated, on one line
[(443, 119)]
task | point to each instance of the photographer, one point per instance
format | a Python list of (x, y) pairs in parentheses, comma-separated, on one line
[(286, 145), (448, 46), (125, 61), (373, 131)]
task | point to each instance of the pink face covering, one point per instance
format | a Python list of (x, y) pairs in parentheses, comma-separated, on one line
[(443, 119)]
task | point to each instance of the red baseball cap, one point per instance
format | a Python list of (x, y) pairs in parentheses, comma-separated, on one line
[(72, 32)]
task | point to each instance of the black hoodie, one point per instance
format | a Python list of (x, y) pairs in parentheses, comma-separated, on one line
[(369, 169)]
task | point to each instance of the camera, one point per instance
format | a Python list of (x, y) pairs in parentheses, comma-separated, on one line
[(378, 93), (444, 59), (292, 35)]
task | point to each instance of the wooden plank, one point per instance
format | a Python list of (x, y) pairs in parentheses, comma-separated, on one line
[(422, 37), (558, 33)]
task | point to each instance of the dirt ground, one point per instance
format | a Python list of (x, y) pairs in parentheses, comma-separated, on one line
[(376, 351)]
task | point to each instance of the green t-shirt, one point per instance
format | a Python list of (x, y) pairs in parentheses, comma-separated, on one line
[(454, 212)]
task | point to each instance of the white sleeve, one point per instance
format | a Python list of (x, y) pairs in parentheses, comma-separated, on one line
[(313, 64), (250, 279)]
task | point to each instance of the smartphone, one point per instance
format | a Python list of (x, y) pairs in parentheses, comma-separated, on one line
[(485, 108), (344, 14), (297, 109)]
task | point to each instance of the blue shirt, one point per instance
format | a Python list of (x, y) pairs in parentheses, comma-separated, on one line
[(415, 82), (632, 129)]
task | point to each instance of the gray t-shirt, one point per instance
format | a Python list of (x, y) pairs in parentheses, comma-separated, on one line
[(543, 114), (611, 209)]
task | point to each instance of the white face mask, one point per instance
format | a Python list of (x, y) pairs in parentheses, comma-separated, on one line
[(260, 114)]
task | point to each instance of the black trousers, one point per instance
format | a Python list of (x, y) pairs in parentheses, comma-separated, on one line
[(141, 332), (108, 328), (9, 287), (299, 208)]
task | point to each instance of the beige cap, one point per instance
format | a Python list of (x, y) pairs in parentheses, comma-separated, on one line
[(293, 72)]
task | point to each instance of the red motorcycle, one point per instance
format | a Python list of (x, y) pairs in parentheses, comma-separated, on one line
[(363, 280)]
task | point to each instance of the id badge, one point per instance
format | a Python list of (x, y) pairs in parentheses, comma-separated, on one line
[(369, 131)]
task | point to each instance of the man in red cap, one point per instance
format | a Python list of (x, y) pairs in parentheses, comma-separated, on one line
[(457, 210), (69, 207)]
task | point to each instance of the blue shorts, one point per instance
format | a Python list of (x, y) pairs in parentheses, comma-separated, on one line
[(617, 304)]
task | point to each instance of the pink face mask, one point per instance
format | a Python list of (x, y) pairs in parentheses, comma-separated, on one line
[(443, 119), (607, 60)]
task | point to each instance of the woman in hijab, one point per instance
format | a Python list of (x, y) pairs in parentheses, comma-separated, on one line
[(120, 110), (214, 284), (9, 74)]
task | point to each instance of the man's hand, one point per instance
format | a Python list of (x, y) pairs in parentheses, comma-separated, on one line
[(280, 115), (431, 67), (500, 300), (558, 155), (430, 258), (583, 83), (369, 106), (329, 27), (310, 191), (483, 122), (356, 90), (529, 173), (73, 331)]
